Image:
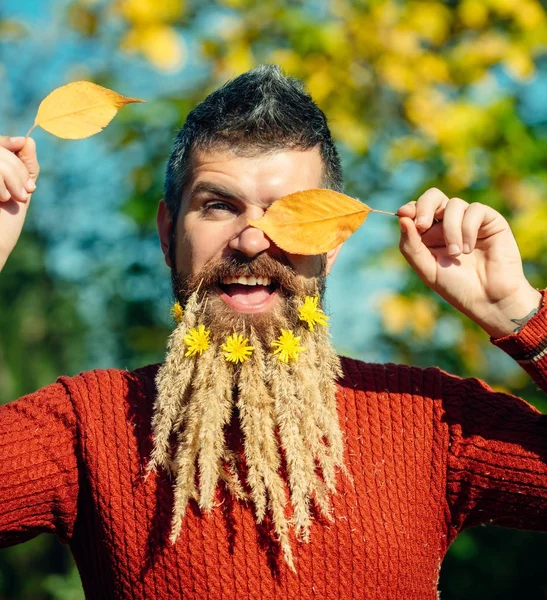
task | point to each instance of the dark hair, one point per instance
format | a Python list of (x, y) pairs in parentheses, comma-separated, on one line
[(259, 111)]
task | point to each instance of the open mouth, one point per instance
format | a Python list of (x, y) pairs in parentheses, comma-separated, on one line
[(248, 294)]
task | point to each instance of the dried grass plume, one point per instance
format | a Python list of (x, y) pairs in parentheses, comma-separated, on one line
[(286, 415)]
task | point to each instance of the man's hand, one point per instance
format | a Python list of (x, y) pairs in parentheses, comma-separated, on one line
[(468, 255), (19, 171)]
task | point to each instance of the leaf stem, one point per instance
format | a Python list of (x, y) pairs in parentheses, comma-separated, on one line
[(30, 130), (383, 212)]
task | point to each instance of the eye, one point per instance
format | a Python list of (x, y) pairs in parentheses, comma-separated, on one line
[(217, 206)]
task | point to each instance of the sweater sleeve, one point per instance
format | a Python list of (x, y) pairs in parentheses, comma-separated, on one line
[(38, 466), (529, 347), (497, 462)]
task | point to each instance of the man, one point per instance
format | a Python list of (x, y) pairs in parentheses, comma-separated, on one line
[(254, 462)]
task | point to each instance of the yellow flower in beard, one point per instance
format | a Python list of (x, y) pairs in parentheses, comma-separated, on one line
[(177, 312), (287, 346), (236, 348), (311, 314), (197, 340)]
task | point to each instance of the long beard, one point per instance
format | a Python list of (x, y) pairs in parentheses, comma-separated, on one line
[(285, 413)]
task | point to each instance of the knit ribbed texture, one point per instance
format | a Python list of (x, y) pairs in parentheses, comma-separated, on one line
[(428, 454)]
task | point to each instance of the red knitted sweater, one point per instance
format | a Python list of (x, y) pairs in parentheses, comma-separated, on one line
[(429, 454)]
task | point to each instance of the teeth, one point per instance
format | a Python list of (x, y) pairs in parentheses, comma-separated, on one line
[(247, 280)]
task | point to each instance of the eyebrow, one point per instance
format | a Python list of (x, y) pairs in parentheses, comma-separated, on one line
[(214, 189)]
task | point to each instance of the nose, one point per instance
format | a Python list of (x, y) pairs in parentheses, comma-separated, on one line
[(250, 241)]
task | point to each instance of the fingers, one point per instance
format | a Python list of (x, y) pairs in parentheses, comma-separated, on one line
[(13, 144), (429, 206), (411, 240), (459, 226), (415, 251), (15, 178), (28, 157), (18, 168), (473, 219), (453, 215)]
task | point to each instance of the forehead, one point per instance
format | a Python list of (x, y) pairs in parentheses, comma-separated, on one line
[(257, 178)]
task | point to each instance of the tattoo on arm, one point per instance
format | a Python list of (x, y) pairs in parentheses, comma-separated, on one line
[(520, 323)]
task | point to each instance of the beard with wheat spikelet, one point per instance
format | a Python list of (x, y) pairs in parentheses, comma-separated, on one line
[(280, 390)]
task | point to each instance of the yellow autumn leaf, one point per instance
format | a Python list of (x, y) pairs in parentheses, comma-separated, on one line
[(313, 221), (79, 110)]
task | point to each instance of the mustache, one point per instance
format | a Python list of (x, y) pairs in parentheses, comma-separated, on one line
[(282, 275)]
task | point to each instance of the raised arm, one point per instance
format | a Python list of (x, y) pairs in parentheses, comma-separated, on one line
[(469, 256), (19, 171)]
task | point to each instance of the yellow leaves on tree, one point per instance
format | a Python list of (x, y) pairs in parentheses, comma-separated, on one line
[(152, 31), (237, 60), (313, 221), (145, 12), (529, 229), (473, 13), (417, 314), (160, 44), (431, 20), (453, 125), (79, 110)]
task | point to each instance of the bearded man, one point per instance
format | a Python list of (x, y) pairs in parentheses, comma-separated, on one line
[(254, 462)]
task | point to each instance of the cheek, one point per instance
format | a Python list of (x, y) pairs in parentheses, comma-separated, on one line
[(308, 266), (197, 244)]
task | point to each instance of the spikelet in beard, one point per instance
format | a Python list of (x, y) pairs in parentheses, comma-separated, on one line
[(173, 382), (216, 412), (299, 463), (319, 410), (304, 482), (198, 432), (256, 413), (330, 370)]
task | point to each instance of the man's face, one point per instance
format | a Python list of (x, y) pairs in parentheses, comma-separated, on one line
[(223, 193), (247, 286)]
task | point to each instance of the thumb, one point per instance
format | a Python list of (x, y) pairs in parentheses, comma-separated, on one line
[(416, 253), (411, 241), (27, 155)]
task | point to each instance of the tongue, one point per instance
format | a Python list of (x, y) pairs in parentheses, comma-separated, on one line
[(247, 294)]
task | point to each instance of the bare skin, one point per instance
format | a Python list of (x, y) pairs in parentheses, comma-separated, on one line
[(470, 258), (464, 252), (19, 171), (226, 191)]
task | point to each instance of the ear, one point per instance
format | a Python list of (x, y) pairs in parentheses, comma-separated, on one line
[(331, 257), (165, 227)]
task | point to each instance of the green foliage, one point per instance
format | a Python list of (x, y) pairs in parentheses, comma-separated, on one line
[(41, 329)]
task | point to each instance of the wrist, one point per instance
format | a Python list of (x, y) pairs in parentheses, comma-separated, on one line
[(510, 315)]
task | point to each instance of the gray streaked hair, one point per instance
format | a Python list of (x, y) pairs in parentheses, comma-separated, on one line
[(260, 111)]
